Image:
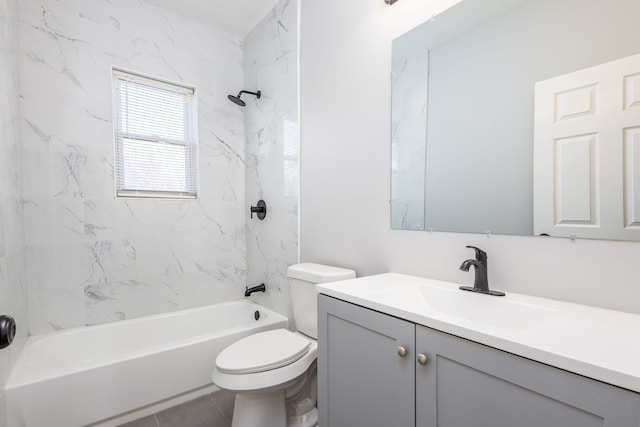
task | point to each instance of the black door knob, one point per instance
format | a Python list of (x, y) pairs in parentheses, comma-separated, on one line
[(7, 330)]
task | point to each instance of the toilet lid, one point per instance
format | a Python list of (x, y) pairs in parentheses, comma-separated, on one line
[(262, 352)]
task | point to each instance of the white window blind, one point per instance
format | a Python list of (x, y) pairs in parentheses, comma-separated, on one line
[(155, 143)]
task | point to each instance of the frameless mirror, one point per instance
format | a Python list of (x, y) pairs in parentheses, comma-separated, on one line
[(463, 104)]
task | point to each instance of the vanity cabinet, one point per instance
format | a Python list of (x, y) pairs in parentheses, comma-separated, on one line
[(363, 380)]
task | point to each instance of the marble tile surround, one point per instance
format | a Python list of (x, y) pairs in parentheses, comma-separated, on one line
[(13, 288), (408, 142), (69, 250), (93, 258), (270, 65)]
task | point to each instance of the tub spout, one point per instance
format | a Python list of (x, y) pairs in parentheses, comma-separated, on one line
[(260, 288)]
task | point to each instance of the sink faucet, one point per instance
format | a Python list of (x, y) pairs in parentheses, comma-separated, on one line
[(481, 282), (260, 288)]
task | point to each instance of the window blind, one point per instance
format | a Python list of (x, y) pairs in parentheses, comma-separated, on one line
[(155, 143)]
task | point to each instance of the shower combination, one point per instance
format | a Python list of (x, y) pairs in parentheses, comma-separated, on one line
[(236, 99)]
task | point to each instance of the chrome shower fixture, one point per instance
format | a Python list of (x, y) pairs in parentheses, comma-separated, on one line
[(236, 99)]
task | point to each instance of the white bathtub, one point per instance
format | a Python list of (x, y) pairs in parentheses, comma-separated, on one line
[(81, 376)]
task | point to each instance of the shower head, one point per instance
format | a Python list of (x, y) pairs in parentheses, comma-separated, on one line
[(236, 99)]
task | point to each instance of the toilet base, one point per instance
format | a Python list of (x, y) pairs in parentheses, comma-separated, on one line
[(260, 410), (268, 410), (310, 419)]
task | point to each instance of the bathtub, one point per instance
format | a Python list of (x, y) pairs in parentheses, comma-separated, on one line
[(83, 376)]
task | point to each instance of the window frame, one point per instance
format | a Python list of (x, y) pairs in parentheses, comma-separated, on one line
[(119, 75)]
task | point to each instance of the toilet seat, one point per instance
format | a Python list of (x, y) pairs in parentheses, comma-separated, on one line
[(263, 351), (275, 378)]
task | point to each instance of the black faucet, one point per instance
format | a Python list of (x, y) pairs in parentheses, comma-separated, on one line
[(481, 282), (259, 288)]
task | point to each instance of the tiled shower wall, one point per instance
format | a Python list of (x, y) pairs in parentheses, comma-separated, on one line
[(93, 258), (13, 291), (270, 65)]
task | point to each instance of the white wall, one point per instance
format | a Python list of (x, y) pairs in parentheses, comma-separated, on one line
[(345, 153), (94, 258), (270, 65), (13, 287)]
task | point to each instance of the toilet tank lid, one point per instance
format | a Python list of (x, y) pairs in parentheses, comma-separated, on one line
[(318, 273)]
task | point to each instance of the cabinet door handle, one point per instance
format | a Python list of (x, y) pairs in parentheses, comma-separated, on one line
[(402, 352), (422, 359)]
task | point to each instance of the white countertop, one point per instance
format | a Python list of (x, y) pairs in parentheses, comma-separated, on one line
[(594, 342)]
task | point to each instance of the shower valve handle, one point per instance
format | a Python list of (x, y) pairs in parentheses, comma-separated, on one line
[(260, 210)]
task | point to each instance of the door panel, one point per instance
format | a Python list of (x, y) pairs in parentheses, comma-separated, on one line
[(576, 171), (632, 91), (632, 177)]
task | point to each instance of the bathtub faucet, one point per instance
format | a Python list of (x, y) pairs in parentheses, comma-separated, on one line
[(259, 288)]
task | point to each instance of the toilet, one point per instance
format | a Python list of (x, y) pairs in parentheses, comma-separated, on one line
[(273, 373)]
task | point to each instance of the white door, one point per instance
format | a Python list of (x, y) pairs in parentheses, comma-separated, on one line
[(587, 152)]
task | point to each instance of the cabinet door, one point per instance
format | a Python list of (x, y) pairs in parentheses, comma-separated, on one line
[(362, 380), (466, 384)]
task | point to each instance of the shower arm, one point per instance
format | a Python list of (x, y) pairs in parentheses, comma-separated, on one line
[(257, 94)]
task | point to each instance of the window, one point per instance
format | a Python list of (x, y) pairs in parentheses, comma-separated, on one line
[(155, 142)]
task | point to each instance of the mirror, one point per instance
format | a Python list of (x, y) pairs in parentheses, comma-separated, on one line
[(463, 105)]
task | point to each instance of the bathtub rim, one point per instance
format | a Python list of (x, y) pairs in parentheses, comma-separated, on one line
[(18, 379)]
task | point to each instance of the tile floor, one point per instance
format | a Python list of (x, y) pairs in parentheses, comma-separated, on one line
[(211, 410)]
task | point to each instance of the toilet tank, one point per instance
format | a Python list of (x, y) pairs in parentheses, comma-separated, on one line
[(302, 280)]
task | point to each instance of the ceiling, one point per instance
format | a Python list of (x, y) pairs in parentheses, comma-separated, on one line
[(237, 17)]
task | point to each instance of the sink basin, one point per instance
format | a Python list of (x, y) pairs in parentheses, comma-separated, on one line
[(485, 311)]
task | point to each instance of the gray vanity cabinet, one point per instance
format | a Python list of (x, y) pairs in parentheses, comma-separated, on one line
[(466, 384), (363, 380)]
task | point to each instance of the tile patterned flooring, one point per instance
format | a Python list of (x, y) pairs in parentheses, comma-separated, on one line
[(211, 410)]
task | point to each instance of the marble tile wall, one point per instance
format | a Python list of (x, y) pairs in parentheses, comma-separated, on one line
[(270, 65), (13, 288), (409, 141), (93, 258)]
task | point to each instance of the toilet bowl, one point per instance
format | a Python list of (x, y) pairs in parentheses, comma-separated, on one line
[(273, 373), (269, 372)]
